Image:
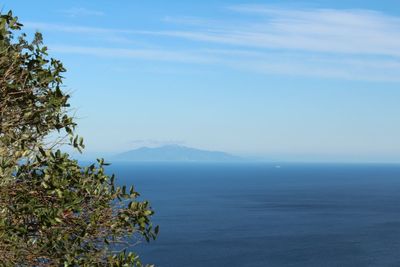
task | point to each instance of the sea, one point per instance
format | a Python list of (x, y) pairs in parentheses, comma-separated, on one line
[(265, 214)]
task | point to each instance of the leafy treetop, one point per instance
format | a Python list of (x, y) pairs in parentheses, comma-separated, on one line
[(54, 212)]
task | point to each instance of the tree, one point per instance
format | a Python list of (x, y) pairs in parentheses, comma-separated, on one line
[(54, 212)]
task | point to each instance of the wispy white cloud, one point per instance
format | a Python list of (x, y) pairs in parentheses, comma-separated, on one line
[(110, 35), (81, 12), (147, 54), (327, 66), (73, 28), (314, 30), (344, 44)]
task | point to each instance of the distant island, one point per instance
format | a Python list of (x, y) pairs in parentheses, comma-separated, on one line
[(175, 153)]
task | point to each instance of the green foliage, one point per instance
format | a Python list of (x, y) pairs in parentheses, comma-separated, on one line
[(54, 212)]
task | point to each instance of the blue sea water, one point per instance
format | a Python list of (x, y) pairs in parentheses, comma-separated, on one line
[(262, 215)]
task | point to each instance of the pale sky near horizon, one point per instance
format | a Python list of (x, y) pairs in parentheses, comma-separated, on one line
[(288, 80)]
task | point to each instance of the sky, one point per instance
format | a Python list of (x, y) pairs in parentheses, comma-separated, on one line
[(279, 80)]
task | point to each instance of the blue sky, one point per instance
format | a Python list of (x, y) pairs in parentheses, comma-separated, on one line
[(285, 80)]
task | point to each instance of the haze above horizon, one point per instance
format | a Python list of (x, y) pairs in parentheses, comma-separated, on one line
[(311, 80)]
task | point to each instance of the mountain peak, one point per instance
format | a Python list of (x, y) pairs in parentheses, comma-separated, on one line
[(177, 153)]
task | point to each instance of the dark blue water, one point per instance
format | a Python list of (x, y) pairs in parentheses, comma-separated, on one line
[(260, 215)]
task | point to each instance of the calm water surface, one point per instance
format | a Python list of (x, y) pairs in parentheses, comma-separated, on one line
[(261, 215)]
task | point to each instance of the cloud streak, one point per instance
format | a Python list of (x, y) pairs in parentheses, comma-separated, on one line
[(81, 12), (311, 30), (76, 29), (327, 43), (146, 54), (260, 62)]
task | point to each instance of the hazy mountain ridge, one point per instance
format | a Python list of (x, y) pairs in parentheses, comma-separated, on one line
[(175, 153)]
